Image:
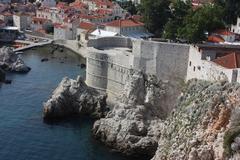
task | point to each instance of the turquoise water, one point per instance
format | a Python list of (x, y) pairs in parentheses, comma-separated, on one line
[(24, 135)]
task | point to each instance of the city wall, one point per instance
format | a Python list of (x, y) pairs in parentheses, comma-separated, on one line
[(166, 60), (108, 66)]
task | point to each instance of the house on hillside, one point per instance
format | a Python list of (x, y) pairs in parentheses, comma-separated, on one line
[(214, 62), (22, 21), (128, 28), (38, 23)]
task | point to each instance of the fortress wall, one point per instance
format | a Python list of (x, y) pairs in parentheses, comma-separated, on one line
[(108, 69), (167, 60), (107, 72), (110, 42)]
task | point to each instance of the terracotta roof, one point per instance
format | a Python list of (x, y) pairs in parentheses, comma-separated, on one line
[(61, 5), (58, 25), (7, 14), (78, 4), (103, 11), (230, 61), (106, 3), (124, 23), (86, 25), (41, 20), (215, 39)]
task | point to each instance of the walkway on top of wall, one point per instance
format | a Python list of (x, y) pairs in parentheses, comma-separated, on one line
[(32, 45)]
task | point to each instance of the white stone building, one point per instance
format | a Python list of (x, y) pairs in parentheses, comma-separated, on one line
[(236, 28), (53, 14), (214, 62), (128, 28), (22, 21)]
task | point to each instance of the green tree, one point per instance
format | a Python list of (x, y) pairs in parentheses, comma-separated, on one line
[(232, 8), (129, 6), (179, 10), (203, 20), (48, 27), (155, 15)]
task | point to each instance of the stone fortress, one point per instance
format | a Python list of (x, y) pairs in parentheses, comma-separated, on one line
[(111, 59)]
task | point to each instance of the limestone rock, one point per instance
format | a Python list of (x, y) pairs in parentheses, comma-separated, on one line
[(205, 124), (133, 126), (74, 97), (9, 61)]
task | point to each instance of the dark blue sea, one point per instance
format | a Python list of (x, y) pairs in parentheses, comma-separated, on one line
[(24, 135)]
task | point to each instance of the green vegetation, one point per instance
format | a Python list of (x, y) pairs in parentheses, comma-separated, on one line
[(203, 20), (156, 14), (178, 20), (229, 137), (129, 6), (48, 27)]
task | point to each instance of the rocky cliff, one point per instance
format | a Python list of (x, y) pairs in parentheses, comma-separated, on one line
[(134, 124), (205, 124), (9, 61), (74, 97)]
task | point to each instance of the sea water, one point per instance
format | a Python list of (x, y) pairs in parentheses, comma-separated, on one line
[(23, 134)]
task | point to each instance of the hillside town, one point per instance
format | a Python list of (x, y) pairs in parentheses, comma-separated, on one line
[(148, 79), (214, 56)]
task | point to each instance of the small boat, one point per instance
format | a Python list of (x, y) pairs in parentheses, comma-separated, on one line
[(44, 59)]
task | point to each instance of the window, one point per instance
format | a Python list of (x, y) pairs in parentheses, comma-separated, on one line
[(194, 68), (190, 63)]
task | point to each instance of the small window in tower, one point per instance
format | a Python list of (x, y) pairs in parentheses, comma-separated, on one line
[(194, 68), (190, 63)]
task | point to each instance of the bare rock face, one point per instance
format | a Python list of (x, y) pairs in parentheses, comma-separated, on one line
[(9, 61), (74, 97), (133, 126), (205, 124)]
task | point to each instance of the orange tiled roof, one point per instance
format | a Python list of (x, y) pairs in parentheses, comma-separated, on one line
[(124, 23), (59, 25), (100, 3), (230, 61), (86, 25), (41, 20), (215, 39)]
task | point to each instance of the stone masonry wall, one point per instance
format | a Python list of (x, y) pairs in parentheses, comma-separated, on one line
[(108, 72), (105, 74), (167, 60)]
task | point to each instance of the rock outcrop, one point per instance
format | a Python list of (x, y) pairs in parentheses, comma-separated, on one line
[(9, 61), (74, 97), (133, 126), (205, 124)]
